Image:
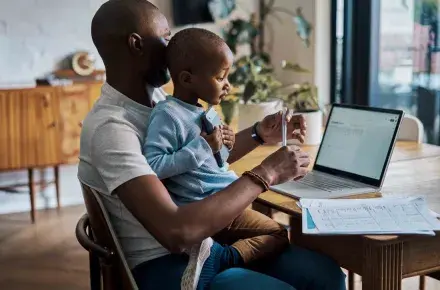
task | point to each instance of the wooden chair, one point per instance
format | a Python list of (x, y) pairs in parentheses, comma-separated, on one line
[(96, 234), (411, 129)]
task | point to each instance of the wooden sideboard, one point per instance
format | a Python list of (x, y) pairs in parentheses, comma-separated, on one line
[(40, 127)]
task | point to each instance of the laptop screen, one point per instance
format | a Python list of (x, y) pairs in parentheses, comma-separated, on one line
[(358, 142)]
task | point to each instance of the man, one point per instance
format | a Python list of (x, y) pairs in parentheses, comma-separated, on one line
[(131, 37)]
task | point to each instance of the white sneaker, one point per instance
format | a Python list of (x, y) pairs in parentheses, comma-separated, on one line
[(197, 257)]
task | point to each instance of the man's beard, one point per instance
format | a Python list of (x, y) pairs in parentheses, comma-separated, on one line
[(159, 78)]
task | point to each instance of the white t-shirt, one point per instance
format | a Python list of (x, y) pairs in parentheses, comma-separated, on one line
[(110, 155)]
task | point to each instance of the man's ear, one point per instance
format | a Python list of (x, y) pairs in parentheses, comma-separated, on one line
[(186, 79), (136, 44)]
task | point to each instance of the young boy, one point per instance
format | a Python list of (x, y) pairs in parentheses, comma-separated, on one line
[(182, 156)]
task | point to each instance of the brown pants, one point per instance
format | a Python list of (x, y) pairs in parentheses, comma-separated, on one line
[(255, 236)]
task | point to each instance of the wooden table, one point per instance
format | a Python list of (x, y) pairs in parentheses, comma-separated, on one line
[(382, 261)]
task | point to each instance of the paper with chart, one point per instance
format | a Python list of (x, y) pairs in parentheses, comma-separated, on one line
[(368, 216)]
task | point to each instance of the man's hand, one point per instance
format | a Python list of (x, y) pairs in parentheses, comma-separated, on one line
[(228, 136), (214, 139), (269, 129), (287, 163)]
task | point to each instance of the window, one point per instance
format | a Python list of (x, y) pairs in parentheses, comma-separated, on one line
[(387, 54)]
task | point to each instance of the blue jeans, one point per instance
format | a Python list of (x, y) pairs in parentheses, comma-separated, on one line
[(295, 269)]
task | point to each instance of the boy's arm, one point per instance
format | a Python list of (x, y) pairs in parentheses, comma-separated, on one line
[(161, 147)]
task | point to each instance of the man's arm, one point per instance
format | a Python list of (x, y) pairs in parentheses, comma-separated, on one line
[(178, 228), (269, 130), (117, 155), (244, 143), (161, 147)]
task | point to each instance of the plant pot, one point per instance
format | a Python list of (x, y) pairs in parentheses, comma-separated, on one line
[(314, 128), (249, 114), (228, 111)]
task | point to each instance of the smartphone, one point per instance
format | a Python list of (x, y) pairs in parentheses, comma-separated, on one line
[(210, 119)]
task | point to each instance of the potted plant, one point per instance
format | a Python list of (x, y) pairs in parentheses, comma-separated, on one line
[(256, 90), (228, 108), (303, 98)]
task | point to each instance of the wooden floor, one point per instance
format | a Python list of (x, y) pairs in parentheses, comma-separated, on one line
[(47, 256)]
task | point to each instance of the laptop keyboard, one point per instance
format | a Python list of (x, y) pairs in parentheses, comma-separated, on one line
[(323, 182)]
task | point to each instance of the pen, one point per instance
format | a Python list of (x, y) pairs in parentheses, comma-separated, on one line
[(284, 127)]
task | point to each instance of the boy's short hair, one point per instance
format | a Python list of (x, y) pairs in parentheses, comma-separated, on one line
[(191, 47)]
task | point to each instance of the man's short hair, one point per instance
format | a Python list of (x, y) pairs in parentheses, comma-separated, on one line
[(115, 20)]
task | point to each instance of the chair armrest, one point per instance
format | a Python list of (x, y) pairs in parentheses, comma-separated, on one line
[(85, 240)]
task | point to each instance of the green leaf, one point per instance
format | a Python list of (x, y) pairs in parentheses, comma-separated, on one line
[(249, 91), (287, 65)]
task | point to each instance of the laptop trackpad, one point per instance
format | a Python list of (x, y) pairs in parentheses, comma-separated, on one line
[(300, 190)]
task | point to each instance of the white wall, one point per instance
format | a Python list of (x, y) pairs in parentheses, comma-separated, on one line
[(284, 44), (35, 35)]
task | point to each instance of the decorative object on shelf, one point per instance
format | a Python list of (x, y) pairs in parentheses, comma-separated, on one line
[(78, 67), (83, 63), (66, 77)]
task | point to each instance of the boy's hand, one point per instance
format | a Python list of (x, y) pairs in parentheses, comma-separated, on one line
[(214, 140), (228, 136)]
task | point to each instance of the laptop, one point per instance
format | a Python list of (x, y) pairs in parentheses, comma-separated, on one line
[(354, 154)]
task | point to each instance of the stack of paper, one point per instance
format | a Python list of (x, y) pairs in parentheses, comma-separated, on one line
[(368, 216)]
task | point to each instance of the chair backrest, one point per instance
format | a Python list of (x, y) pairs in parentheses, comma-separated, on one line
[(116, 273), (84, 236), (411, 129)]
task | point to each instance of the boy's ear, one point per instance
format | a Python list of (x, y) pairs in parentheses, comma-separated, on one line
[(186, 79)]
